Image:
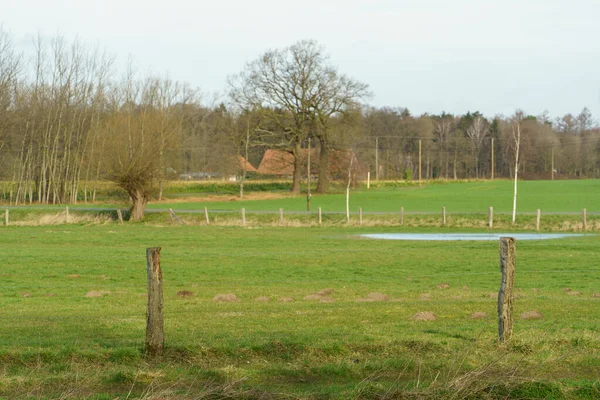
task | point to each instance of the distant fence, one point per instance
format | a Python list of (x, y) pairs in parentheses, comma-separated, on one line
[(358, 216)]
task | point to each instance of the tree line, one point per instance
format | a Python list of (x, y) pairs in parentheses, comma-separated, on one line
[(69, 121)]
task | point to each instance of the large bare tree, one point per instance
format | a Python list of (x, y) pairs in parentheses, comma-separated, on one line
[(144, 126), (298, 92)]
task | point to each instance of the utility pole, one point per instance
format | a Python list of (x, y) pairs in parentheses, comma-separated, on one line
[(419, 162), (308, 171), (552, 164), (377, 158), (493, 163)]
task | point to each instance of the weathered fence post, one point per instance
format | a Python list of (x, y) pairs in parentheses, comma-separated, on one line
[(243, 217), (401, 215), (443, 215), (368, 180), (155, 335), (6, 217), (320, 216), (174, 217), (120, 216), (66, 214), (360, 216), (206, 218), (281, 216), (584, 218), (491, 218), (537, 219), (505, 295)]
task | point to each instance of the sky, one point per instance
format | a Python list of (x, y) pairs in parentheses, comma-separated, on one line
[(492, 56)]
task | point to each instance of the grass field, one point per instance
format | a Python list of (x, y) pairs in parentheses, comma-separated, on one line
[(350, 343), (549, 196)]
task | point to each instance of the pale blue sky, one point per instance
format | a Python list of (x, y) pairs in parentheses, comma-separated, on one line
[(428, 55)]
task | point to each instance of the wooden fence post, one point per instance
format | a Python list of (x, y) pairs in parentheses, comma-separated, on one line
[(6, 217), (206, 218), (360, 216), (155, 335), (320, 216), (368, 180), (174, 217), (243, 217), (401, 215), (491, 218), (281, 216), (66, 214), (443, 215), (537, 219), (505, 295), (120, 216), (584, 218)]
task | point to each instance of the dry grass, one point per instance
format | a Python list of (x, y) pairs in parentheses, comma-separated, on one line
[(60, 219)]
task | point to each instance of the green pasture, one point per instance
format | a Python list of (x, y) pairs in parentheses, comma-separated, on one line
[(462, 197), (57, 343)]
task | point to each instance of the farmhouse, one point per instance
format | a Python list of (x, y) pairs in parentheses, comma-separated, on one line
[(281, 163)]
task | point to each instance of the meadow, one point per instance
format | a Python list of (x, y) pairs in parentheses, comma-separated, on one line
[(298, 310), (463, 197), (319, 313)]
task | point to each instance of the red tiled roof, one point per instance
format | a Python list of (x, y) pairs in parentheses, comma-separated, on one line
[(276, 162), (240, 164), (279, 162)]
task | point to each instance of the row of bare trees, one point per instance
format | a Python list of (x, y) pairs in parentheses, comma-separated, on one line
[(68, 121), (471, 146)]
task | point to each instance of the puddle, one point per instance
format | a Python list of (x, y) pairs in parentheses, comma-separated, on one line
[(468, 236)]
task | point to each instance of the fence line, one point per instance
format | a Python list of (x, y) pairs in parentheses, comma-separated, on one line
[(298, 212)]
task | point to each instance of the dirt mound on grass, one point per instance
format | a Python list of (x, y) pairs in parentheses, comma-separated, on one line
[(573, 293), (375, 296), (479, 315), (285, 299), (322, 295), (225, 298), (325, 292), (532, 315), (73, 276), (263, 299), (425, 296), (184, 293), (424, 316), (443, 286), (95, 293), (596, 295), (327, 300), (312, 297), (26, 294)]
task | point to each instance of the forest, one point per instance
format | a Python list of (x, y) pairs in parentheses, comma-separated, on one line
[(69, 118)]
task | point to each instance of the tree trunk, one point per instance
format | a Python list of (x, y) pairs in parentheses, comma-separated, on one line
[(323, 184), (139, 199), (297, 177)]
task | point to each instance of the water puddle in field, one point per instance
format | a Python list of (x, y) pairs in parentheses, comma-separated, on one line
[(468, 236)]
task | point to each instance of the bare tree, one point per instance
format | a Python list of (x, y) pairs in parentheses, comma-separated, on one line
[(298, 92), (144, 124), (477, 133), (515, 127), (443, 126), (10, 66)]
